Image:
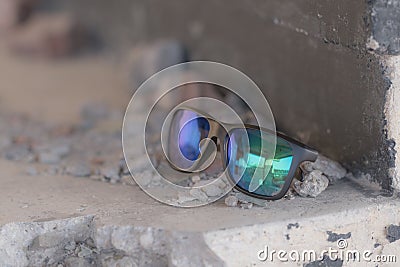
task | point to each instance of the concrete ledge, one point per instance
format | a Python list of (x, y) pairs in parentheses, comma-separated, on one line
[(78, 221)]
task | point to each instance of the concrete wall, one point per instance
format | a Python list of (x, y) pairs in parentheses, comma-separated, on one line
[(309, 57)]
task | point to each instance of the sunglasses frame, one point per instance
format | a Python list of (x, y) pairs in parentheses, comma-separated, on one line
[(300, 151)]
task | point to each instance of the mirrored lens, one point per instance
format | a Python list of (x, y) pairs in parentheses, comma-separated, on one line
[(245, 162), (187, 130), (190, 136)]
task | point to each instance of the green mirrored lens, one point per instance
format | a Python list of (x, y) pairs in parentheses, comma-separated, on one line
[(246, 161)]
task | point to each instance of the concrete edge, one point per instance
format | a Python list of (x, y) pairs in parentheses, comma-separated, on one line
[(392, 114), (362, 229), (79, 241), (82, 241), (384, 43)]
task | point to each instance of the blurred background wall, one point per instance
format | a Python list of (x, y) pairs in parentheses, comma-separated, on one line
[(309, 57)]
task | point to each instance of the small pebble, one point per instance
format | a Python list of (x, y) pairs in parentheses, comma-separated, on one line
[(195, 178), (144, 178), (139, 165), (330, 168), (52, 170), (18, 153), (84, 251), (123, 167), (61, 150), (90, 243), (31, 171), (79, 170), (47, 157), (231, 201), (212, 190), (127, 180), (312, 185), (70, 246), (110, 173), (248, 199), (52, 154), (184, 197), (96, 177), (198, 194), (246, 206)]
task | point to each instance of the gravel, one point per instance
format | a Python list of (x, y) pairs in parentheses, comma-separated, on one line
[(69, 150), (18, 153), (48, 157), (198, 194), (78, 170), (212, 190), (111, 174), (248, 199), (84, 251), (330, 168), (246, 205), (184, 198), (195, 178), (231, 201), (32, 171)]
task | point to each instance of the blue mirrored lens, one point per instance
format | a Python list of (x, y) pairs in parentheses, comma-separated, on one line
[(193, 131), (187, 130), (244, 159)]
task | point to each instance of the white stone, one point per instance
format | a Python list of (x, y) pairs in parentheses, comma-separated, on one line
[(231, 201), (313, 184), (198, 194), (212, 190)]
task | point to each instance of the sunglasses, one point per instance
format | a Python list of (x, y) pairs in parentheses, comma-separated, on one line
[(258, 161)]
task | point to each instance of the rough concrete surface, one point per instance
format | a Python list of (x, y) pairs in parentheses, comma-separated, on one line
[(70, 221), (48, 217)]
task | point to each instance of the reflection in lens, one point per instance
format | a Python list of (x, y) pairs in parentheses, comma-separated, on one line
[(190, 136), (187, 130), (244, 162)]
